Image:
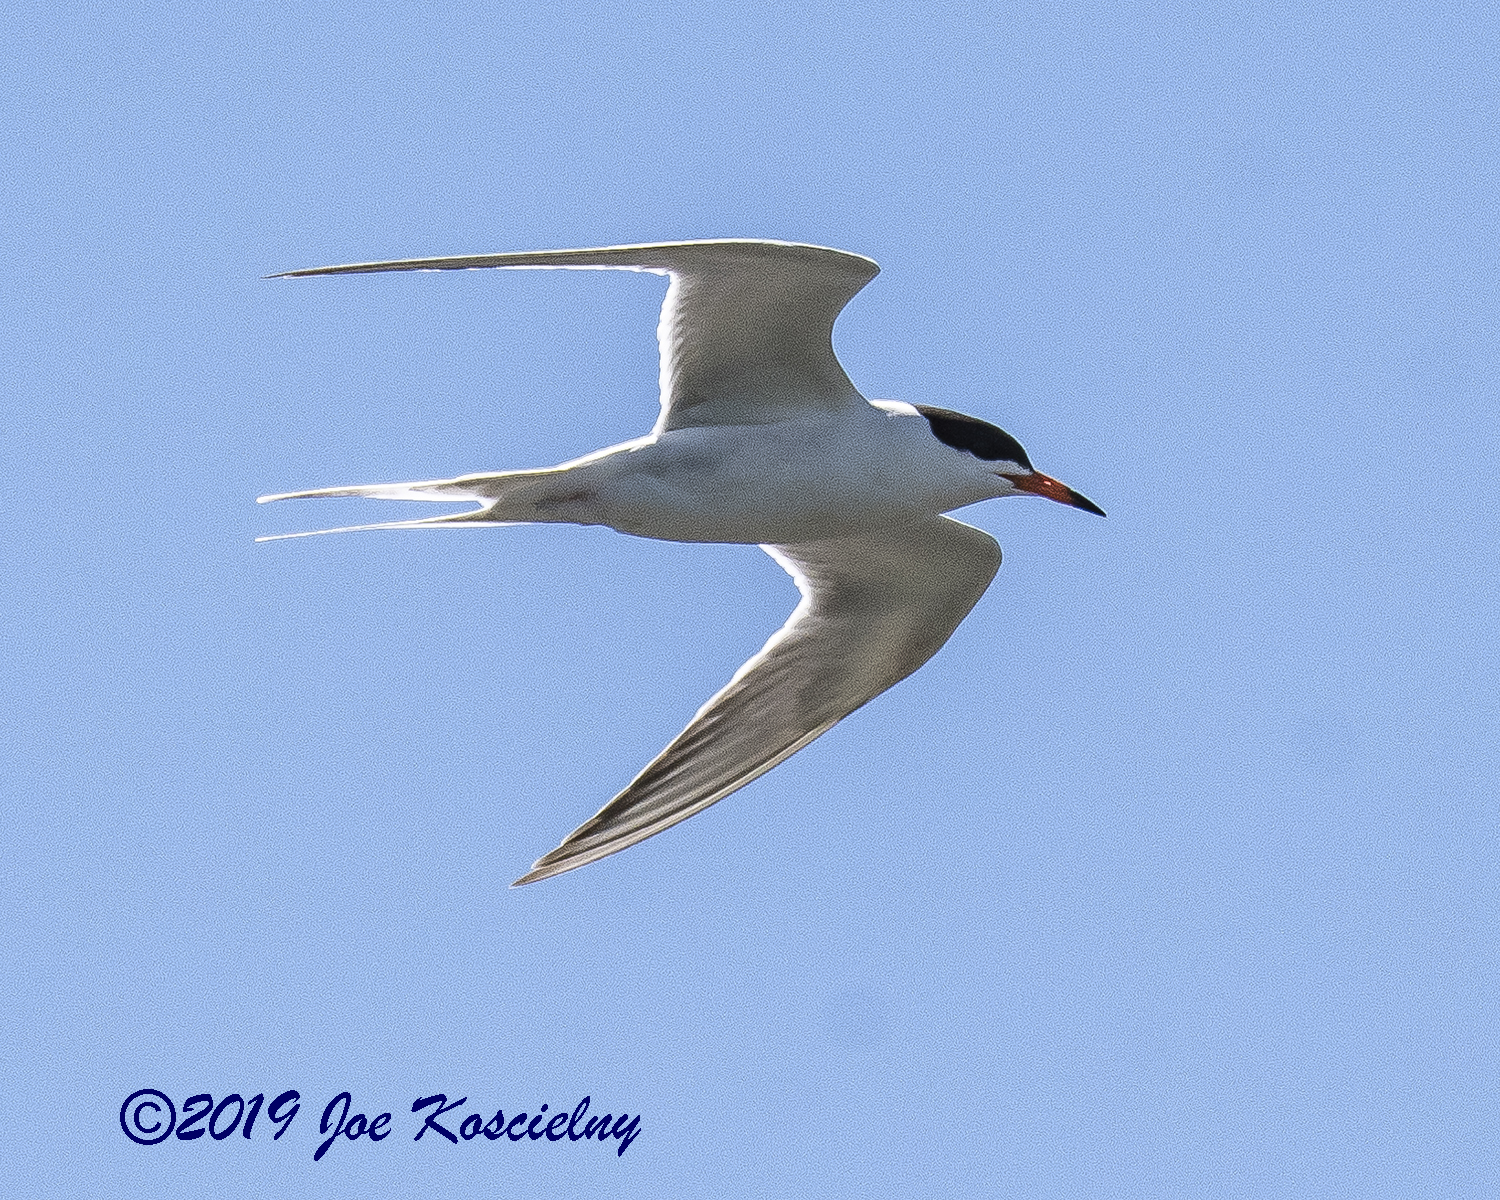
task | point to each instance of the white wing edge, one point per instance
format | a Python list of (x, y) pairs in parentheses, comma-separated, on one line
[(590, 259)]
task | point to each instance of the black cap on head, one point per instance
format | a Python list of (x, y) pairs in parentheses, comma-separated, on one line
[(976, 437)]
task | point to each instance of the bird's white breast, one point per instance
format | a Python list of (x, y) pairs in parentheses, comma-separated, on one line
[(794, 481)]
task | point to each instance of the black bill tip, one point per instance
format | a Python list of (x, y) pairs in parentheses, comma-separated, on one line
[(1078, 500)]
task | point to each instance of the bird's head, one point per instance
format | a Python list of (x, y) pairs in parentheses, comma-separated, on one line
[(1002, 456)]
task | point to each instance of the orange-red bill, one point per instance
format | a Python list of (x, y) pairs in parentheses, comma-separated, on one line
[(1044, 485)]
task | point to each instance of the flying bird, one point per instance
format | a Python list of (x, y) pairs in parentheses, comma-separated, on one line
[(762, 439)]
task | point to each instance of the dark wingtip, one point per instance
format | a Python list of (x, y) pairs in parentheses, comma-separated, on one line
[(540, 870)]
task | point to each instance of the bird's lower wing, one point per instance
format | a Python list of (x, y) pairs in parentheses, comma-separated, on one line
[(874, 609)]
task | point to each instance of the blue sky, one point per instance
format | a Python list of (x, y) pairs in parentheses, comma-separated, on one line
[(1172, 875)]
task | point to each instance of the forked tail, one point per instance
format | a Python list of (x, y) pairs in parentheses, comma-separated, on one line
[(506, 498)]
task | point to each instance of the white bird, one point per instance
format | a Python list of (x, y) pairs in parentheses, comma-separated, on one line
[(762, 439)]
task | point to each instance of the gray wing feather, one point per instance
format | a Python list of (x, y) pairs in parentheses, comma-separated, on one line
[(746, 330), (874, 608)]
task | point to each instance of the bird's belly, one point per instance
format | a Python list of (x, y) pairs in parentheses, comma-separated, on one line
[(742, 510), (722, 487)]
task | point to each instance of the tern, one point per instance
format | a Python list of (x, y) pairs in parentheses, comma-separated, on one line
[(763, 440)]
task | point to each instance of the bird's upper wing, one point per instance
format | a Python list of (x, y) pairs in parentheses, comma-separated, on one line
[(874, 609), (746, 330)]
